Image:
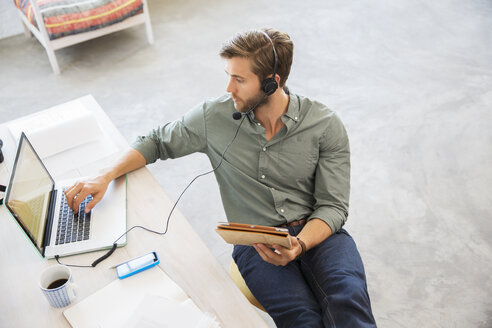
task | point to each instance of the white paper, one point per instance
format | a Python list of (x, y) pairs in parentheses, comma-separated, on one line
[(114, 305), (65, 137), (80, 156), (58, 129), (160, 312)]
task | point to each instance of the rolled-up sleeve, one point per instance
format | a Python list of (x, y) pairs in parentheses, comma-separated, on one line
[(175, 139), (332, 180)]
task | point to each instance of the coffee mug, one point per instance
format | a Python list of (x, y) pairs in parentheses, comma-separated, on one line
[(57, 285)]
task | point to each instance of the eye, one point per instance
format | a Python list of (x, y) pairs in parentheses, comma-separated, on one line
[(239, 80)]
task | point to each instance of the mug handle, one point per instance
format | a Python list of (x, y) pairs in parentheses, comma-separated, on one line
[(73, 291)]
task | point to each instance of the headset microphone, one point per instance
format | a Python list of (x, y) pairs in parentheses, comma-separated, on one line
[(237, 115)]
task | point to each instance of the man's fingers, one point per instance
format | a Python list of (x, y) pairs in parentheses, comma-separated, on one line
[(71, 187), (71, 192), (278, 256), (79, 198), (267, 254), (279, 250), (92, 203), (288, 254)]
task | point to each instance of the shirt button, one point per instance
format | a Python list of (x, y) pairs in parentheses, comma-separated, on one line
[(259, 123), (295, 118), (264, 148), (282, 210), (263, 176)]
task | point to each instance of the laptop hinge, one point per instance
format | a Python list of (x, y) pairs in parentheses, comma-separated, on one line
[(50, 218)]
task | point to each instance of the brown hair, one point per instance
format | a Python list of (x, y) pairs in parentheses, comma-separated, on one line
[(255, 46)]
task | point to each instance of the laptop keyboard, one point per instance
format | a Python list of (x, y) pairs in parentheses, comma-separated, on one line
[(73, 227)]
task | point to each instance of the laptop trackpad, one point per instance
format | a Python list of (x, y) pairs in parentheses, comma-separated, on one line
[(109, 215)]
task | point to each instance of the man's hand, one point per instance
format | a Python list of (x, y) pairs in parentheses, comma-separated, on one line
[(282, 255), (79, 191), (131, 160)]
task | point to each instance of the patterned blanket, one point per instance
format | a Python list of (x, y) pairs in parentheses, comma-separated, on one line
[(66, 17)]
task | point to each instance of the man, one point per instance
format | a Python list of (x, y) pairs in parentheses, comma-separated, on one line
[(289, 166)]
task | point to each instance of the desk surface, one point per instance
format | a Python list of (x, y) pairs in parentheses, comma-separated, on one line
[(184, 257)]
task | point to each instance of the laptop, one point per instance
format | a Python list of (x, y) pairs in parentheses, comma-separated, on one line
[(38, 205)]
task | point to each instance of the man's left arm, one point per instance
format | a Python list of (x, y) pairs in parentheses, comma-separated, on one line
[(332, 190)]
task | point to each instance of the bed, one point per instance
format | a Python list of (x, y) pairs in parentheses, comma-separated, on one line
[(68, 22)]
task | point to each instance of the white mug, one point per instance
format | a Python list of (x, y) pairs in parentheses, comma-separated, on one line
[(64, 292)]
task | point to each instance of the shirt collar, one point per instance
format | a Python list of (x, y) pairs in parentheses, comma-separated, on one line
[(293, 108), (292, 113)]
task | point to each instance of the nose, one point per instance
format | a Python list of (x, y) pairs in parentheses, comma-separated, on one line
[(230, 86)]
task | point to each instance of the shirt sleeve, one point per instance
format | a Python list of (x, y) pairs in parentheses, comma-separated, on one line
[(332, 180), (175, 139)]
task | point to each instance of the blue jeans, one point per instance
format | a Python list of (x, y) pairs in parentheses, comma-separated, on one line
[(325, 288)]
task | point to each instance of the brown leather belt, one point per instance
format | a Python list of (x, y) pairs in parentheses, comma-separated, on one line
[(294, 223)]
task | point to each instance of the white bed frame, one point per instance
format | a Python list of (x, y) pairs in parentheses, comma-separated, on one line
[(52, 45)]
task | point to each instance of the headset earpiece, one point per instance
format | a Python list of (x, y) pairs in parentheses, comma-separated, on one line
[(269, 86)]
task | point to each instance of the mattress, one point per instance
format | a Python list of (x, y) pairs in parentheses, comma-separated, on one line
[(68, 17)]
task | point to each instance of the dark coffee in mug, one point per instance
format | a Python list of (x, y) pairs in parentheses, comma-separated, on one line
[(57, 283)]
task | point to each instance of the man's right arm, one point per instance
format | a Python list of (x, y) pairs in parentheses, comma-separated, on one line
[(174, 139), (98, 185)]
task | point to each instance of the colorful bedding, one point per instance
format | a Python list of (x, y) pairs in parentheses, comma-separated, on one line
[(67, 17)]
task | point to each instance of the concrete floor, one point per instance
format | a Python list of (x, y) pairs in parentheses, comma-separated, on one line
[(412, 81)]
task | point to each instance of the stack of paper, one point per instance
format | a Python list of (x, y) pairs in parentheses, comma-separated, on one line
[(58, 129), (65, 136), (147, 299), (161, 312)]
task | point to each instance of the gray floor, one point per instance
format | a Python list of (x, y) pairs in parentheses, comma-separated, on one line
[(412, 81)]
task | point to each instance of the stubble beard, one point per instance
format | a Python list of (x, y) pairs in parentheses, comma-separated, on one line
[(249, 103)]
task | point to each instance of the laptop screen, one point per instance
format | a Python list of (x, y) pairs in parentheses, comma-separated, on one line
[(29, 191)]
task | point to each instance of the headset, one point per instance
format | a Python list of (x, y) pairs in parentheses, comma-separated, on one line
[(268, 86)]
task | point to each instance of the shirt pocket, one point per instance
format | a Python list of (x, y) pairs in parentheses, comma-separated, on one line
[(297, 159)]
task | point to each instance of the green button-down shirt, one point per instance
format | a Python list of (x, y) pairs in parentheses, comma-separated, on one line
[(303, 171)]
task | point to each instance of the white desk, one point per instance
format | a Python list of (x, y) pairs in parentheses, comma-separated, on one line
[(184, 257)]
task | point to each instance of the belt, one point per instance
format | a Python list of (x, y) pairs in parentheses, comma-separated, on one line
[(294, 223)]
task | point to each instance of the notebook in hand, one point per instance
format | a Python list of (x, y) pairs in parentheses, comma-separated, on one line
[(247, 234)]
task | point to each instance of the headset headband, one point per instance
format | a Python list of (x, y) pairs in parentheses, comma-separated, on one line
[(274, 54)]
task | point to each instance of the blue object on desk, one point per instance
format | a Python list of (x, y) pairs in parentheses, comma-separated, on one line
[(137, 265)]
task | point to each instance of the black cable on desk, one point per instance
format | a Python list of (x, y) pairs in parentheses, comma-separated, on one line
[(108, 254)]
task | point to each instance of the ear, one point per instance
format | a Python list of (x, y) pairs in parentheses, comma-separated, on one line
[(277, 78)]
